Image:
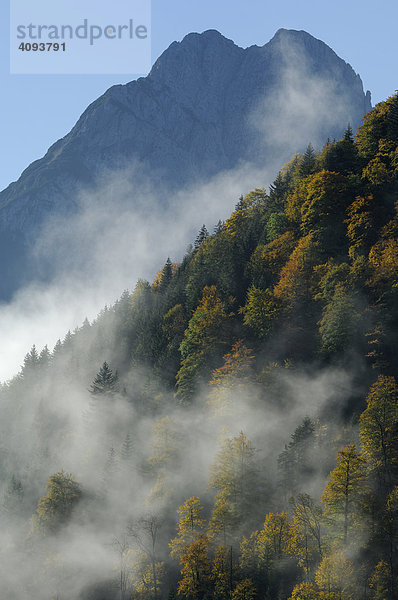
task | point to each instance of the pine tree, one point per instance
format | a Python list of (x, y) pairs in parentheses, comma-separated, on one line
[(167, 275), (348, 134), (206, 336), (44, 358), (218, 228), (57, 349), (31, 361), (127, 448), (172, 595), (234, 476), (293, 462), (13, 496), (307, 165), (201, 237), (279, 190), (105, 382)]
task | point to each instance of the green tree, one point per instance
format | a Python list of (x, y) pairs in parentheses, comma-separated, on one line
[(234, 476), (339, 322), (31, 361), (294, 463), (260, 312), (201, 237), (341, 156), (323, 210), (105, 382), (307, 163), (277, 224), (166, 276), (207, 334)]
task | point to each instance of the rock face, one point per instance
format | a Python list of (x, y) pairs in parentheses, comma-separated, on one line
[(206, 105)]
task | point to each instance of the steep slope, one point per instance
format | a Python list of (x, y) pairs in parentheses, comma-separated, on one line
[(242, 418), (206, 105)]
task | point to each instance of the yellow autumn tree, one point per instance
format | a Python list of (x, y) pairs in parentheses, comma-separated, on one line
[(345, 490), (190, 525), (335, 578), (379, 431)]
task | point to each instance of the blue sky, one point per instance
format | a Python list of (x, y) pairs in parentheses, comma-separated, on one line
[(36, 110)]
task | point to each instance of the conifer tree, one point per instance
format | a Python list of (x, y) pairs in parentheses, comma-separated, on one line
[(31, 361), (279, 189), (13, 496), (307, 164), (105, 383), (167, 275), (218, 227), (201, 237), (234, 476), (127, 448)]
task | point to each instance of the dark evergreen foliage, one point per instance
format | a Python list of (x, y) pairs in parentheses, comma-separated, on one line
[(105, 382)]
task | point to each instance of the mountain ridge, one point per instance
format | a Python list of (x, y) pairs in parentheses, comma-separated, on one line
[(188, 120)]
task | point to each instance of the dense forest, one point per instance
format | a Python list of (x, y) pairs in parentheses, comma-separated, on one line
[(230, 430)]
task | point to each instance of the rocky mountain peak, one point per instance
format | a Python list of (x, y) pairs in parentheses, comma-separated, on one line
[(206, 106)]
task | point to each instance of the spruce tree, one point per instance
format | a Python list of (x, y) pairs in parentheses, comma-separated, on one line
[(167, 275), (278, 190), (348, 134), (127, 448), (307, 165), (44, 358), (105, 382), (31, 361), (218, 227), (201, 237)]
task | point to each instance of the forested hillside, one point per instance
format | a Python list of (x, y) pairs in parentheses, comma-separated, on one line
[(230, 430)]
